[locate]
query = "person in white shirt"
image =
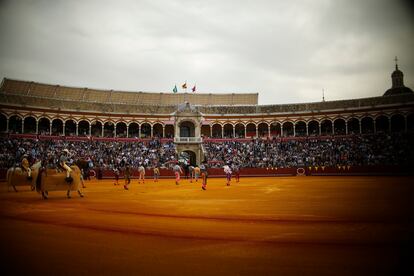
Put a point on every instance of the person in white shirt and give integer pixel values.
(177, 171)
(141, 171)
(227, 171)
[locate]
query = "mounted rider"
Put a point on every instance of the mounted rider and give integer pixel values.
(62, 162)
(26, 167)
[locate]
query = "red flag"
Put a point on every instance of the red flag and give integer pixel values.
(194, 88)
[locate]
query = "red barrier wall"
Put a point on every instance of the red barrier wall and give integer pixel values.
(218, 172)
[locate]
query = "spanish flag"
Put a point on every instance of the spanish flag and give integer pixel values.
(184, 86)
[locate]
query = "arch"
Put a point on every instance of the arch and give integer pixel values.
(287, 129)
(3, 123)
(133, 130)
(313, 128)
(70, 128)
(397, 123)
(30, 124)
(83, 128)
(109, 129)
(240, 131)
(57, 127)
(250, 130)
(382, 123)
(96, 129)
(205, 130)
(169, 131)
(300, 128)
(43, 126)
(410, 122)
(15, 124)
(339, 126)
(263, 129)
(275, 129)
(121, 129)
(353, 126)
(228, 130)
(157, 130)
(326, 127)
(145, 130)
(367, 125)
(190, 156)
(216, 131)
(187, 128)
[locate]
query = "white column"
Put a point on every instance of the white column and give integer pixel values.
(320, 128)
(50, 129)
(222, 131)
(127, 129)
(22, 125)
(163, 131)
(90, 130)
(268, 130)
(211, 131)
(37, 126)
(333, 128)
(152, 130)
(77, 129)
(139, 131)
(307, 129)
(64, 124)
(294, 130)
(102, 131)
(257, 132)
(245, 131)
(234, 131)
(346, 127)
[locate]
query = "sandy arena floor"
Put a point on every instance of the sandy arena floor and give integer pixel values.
(260, 226)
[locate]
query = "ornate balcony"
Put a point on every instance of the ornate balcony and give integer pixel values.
(188, 140)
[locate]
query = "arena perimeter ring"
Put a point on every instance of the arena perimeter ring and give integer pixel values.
(260, 226)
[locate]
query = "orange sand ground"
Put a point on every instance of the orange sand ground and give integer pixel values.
(260, 226)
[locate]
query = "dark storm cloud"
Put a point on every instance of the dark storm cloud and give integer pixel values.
(285, 50)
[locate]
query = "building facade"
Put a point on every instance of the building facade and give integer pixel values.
(54, 111)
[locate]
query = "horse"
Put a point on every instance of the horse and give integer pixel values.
(53, 180)
(17, 177)
(83, 165)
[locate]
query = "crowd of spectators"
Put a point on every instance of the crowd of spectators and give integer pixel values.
(100, 154)
(354, 150)
(357, 150)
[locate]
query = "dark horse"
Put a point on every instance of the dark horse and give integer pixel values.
(83, 165)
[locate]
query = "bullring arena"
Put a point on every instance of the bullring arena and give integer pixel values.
(325, 188)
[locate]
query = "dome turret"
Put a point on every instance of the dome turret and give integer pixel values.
(398, 87)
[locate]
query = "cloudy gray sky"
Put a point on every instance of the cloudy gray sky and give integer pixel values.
(287, 51)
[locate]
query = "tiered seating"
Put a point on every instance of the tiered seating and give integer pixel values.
(359, 150)
(15, 87)
(93, 95)
(42, 90)
(70, 93)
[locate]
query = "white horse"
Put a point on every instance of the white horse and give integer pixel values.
(53, 180)
(17, 177)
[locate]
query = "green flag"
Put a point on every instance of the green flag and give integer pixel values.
(175, 89)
